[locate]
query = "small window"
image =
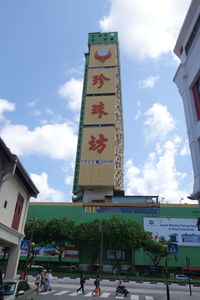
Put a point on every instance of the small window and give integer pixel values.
(5, 204)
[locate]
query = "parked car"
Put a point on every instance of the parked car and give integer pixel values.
(70, 268)
(1, 287)
(37, 267)
(181, 276)
(18, 289)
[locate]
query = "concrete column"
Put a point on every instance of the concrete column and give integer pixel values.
(13, 259)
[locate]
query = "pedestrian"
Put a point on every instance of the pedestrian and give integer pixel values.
(43, 283)
(82, 282)
(97, 286)
(38, 281)
(49, 279)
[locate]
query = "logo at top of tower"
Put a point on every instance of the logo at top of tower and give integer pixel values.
(102, 54)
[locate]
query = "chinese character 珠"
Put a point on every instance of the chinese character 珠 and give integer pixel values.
(99, 79)
(99, 109)
(97, 144)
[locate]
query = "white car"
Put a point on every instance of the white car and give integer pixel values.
(181, 276)
(18, 289)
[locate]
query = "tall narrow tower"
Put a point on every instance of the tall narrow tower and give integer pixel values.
(100, 149)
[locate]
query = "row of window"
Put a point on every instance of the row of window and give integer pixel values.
(123, 209)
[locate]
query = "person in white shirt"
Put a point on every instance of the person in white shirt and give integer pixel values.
(49, 279)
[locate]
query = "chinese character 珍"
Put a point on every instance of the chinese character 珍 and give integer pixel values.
(99, 79)
(99, 109)
(97, 144)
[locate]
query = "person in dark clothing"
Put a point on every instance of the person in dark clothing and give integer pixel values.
(97, 287)
(82, 282)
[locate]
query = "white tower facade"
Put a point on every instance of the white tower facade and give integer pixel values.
(187, 80)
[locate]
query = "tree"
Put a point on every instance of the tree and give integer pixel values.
(119, 233)
(154, 249)
(35, 231)
(89, 234)
(59, 233)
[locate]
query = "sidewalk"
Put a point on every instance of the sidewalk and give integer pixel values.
(186, 297)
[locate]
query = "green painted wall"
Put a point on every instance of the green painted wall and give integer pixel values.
(76, 213)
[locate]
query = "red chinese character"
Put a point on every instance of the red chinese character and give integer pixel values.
(99, 79)
(99, 109)
(97, 144)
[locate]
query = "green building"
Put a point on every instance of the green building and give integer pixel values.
(175, 222)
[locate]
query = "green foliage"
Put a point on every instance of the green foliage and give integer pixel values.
(89, 234)
(120, 233)
(154, 249)
(59, 231)
(36, 231)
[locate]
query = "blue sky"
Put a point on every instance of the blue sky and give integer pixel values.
(41, 72)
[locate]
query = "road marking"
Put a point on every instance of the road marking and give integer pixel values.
(134, 297)
(119, 297)
(148, 298)
(74, 294)
(61, 293)
(88, 295)
(105, 295)
(46, 293)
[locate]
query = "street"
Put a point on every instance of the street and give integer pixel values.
(66, 288)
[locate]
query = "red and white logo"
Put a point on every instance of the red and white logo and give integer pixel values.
(102, 54)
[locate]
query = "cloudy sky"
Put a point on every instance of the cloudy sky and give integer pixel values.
(41, 74)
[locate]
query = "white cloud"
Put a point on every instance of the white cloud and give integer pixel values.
(57, 141)
(32, 103)
(5, 105)
(158, 175)
(69, 180)
(78, 70)
(36, 112)
(47, 194)
(72, 91)
(146, 29)
(159, 122)
(185, 150)
(148, 82)
(138, 114)
(49, 111)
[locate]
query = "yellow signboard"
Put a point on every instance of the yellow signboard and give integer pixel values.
(98, 143)
(102, 81)
(103, 55)
(99, 110)
(96, 175)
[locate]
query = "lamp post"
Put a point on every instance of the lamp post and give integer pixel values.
(32, 221)
(165, 248)
(189, 281)
(101, 251)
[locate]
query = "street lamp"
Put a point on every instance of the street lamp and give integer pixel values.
(198, 224)
(165, 249)
(32, 221)
(101, 251)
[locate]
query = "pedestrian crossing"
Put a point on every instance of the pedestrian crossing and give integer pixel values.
(103, 295)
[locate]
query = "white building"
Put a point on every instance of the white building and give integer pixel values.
(187, 79)
(16, 188)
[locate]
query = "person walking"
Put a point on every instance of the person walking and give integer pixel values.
(38, 281)
(49, 279)
(97, 286)
(43, 284)
(82, 282)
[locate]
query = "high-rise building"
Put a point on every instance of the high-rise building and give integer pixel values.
(100, 149)
(187, 79)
